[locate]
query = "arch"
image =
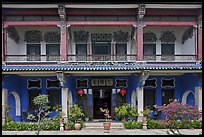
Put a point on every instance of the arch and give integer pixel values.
(18, 103)
(185, 95)
(133, 98)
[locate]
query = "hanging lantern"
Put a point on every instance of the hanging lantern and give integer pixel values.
(80, 92)
(123, 92)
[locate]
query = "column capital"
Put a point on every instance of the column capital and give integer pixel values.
(62, 78)
(143, 77)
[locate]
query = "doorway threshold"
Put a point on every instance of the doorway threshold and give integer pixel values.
(100, 120)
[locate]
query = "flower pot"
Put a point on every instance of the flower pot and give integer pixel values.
(67, 127)
(77, 126)
(106, 125)
(86, 119)
(144, 119)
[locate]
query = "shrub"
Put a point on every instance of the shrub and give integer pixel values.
(131, 124)
(22, 126)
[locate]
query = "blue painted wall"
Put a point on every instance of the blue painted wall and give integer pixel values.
(19, 84)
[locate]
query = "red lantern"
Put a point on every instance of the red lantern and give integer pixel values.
(123, 92)
(81, 92)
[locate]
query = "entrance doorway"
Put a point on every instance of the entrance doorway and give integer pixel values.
(101, 99)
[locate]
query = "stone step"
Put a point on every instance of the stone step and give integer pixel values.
(97, 124)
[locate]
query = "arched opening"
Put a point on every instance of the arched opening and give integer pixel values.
(188, 98)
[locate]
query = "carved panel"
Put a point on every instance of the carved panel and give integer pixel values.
(167, 82)
(82, 83)
(149, 37)
(120, 36)
(121, 83)
(13, 34)
(151, 83)
(33, 36)
(81, 36)
(101, 37)
(187, 34)
(168, 37)
(52, 37)
(52, 83)
(34, 84)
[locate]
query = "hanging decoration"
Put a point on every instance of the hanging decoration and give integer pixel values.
(123, 92)
(80, 92)
(13, 34)
(52, 37)
(33, 36)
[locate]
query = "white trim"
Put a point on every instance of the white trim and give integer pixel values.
(185, 95)
(133, 98)
(18, 103)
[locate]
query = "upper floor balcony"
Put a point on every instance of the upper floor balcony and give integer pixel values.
(102, 45)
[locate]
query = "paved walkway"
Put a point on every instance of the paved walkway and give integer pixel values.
(86, 131)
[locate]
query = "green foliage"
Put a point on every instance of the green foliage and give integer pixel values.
(126, 110)
(146, 112)
(196, 124)
(22, 126)
(130, 124)
(41, 100)
(155, 124)
(75, 113)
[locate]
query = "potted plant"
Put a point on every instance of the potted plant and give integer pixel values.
(75, 113)
(67, 126)
(107, 123)
(87, 117)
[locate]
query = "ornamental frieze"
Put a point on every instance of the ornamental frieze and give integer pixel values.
(149, 37)
(188, 34)
(13, 34)
(81, 36)
(120, 36)
(168, 37)
(52, 37)
(33, 36)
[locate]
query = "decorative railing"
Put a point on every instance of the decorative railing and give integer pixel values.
(32, 58)
(97, 59)
(100, 59)
(170, 58)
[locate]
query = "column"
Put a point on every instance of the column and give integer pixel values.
(140, 103)
(64, 100)
(4, 104)
(63, 42)
(199, 48)
(139, 41)
(4, 43)
(90, 102)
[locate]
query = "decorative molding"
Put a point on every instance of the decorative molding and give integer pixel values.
(143, 77)
(37, 82)
(13, 34)
(33, 36)
(121, 83)
(188, 34)
(147, 85)
(149, 37)
(82, 83)
(62, 78)
(101, 37)
(48, 83)
(52, 37)
(61, 12)
(171, 83)
(168, 37)
(141, 11)
(81, 36)
(120, 36)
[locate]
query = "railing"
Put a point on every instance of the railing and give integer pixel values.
(170, 58)
(100, 59)
(32, 58)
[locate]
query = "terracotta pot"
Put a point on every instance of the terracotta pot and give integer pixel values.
(67, 127)
(77, 126)
(106, 125)
(144, 119)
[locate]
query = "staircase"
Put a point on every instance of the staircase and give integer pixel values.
(97, 124)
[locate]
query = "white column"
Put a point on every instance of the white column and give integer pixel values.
(140, 103)
(64, 100)
(4, 103)
(198, 97)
